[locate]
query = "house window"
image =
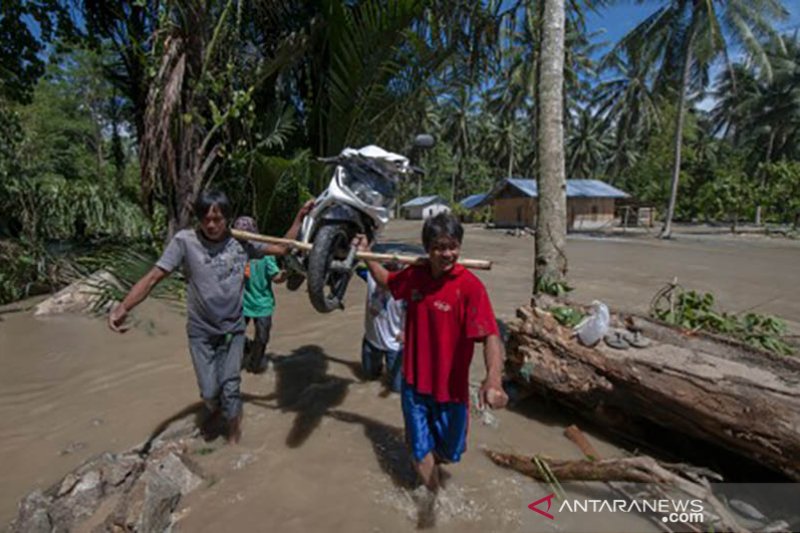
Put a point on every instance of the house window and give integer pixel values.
(594, 212)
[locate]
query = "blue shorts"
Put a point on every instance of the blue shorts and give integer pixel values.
(431, 426)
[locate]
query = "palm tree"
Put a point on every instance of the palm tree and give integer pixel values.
(763, 114)
(458, 108)
(588, 145)
(551, 261)
(683, 37)
(514, 95)
(629, 106)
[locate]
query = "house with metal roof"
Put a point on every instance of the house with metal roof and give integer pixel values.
(473, 201)
(590, 203)
(423, 207)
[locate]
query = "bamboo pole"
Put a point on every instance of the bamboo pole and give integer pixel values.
(478, 264)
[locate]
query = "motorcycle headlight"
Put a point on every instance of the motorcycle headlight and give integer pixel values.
(366, 190)
(368, 195)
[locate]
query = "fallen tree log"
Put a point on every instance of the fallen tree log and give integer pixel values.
(730, 401)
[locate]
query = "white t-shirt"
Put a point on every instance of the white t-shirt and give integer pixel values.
(384, 318)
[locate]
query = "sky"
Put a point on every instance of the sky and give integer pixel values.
(617, 20)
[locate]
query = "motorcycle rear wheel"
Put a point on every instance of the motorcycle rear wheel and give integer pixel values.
(326, 287)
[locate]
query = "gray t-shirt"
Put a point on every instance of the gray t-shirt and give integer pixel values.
(215, 274)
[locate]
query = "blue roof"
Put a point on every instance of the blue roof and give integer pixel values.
(575, 188)
(424, 200)
(473, 201)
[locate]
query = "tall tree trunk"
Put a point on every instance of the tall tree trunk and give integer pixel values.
(453, 180)
(666, 231)
(510, 154)
(764, 173)
(551, 229)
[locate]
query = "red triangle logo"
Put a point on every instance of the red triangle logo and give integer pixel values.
(533, 506)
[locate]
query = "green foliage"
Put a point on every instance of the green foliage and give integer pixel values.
(648, 179)
(19, 273)
(783, 190)
(552, 287)
(280, 187)
(694, 311)
(59, 182)
(729, 195)
(127, 264)
(566, 316)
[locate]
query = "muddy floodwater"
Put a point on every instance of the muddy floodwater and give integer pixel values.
(323, 450)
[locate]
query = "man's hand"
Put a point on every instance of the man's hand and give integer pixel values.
(305, 209)
(280, 277)
(361, 242)
(116, 319)
(492, 394)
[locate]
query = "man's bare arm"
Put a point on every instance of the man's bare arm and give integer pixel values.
(379, 274)
(492, 392)
(135, 296)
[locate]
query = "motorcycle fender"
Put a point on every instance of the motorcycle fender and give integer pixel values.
(343, 214)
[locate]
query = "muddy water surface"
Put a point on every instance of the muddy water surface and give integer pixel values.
(323, 450)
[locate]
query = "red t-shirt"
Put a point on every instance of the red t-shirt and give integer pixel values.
(444, 318)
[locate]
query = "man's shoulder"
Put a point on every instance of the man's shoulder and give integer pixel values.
(470, 281)
(186, 235)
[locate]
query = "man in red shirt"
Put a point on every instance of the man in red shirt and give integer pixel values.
(448, 310)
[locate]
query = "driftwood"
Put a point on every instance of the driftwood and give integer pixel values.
(724, 398)
(478, 264)
(640, 469)
(574, 434)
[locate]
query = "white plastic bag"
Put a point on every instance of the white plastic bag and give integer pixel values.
(595, 326)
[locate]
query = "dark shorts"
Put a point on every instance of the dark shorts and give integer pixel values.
(431, 426)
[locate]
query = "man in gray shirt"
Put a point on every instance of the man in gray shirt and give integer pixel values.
(213, 263)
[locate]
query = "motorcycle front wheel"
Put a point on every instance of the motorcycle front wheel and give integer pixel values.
(326, 287)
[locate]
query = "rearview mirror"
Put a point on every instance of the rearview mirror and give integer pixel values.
(424, 141)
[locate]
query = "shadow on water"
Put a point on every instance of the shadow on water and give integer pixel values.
(353, 366)
(388, 445)
(392, 454)
(304, 387)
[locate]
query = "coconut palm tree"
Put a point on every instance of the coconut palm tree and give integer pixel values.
(551, 263)
(589, 144)
(760, 113)
(629, 106)
(683, 37)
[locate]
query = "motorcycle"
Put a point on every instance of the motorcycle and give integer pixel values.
(358, 200)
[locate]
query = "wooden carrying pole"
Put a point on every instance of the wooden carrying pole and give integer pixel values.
(478, 264)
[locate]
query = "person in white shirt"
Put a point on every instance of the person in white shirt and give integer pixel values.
(384, 319)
